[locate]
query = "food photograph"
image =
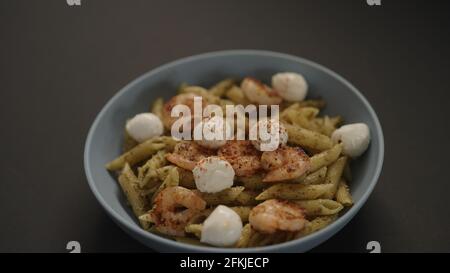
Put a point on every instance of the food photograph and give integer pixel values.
(224, 127)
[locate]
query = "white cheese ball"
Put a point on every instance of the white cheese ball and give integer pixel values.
(215, 132)
(213, 174)
(272, 143)
(223, 227)
(144, 126)
(354, 137)
(290, 86)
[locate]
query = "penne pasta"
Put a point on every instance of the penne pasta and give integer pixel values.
(225, 197)
(195, 229)
(172, 180)
(295, 191)
(170, 142)
(327, 125)
(303, 117)
(320, 207)
(236, 95)
(316, 224)
(320, 222)
(253, 182)
(296, 108)
(307, 138)
(334, 175)
(221, 87)
(163, 172)
(316, 177)
(255, 238)
(243, 212)
(325, 158)
(343, 195)
(147, 172)
(247, 198)
(285, 115)
(129, 185)
(135, 155)
(245, 237)
(200, 91)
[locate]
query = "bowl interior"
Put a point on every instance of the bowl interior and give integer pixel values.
(105, 138)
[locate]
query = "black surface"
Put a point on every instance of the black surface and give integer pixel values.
(60, 64)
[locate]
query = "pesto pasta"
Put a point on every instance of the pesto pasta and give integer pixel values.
(306, 176)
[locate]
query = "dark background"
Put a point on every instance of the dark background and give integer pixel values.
(60, 65)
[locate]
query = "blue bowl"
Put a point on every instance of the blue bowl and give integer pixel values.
(105, 136)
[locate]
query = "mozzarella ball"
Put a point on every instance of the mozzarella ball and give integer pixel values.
(213, 174)
(215, 132)
(223, 227)
(354, 137)
(144, 126)
(290, 86)
(275, 140)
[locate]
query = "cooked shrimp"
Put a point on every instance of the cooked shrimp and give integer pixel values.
(276, 215)
(242, 155)
(187, 154)
(259, 93)
(284, 163)
(182, 99)
(166, 212)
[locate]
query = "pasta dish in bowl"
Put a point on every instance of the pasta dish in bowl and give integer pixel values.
(241, 190)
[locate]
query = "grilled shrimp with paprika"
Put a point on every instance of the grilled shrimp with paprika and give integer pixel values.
(242, 155)
(276, 215)
(187, 154)
(182, 99)
(284, 163)
(166, 214)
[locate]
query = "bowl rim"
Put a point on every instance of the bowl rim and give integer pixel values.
(336, 225)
